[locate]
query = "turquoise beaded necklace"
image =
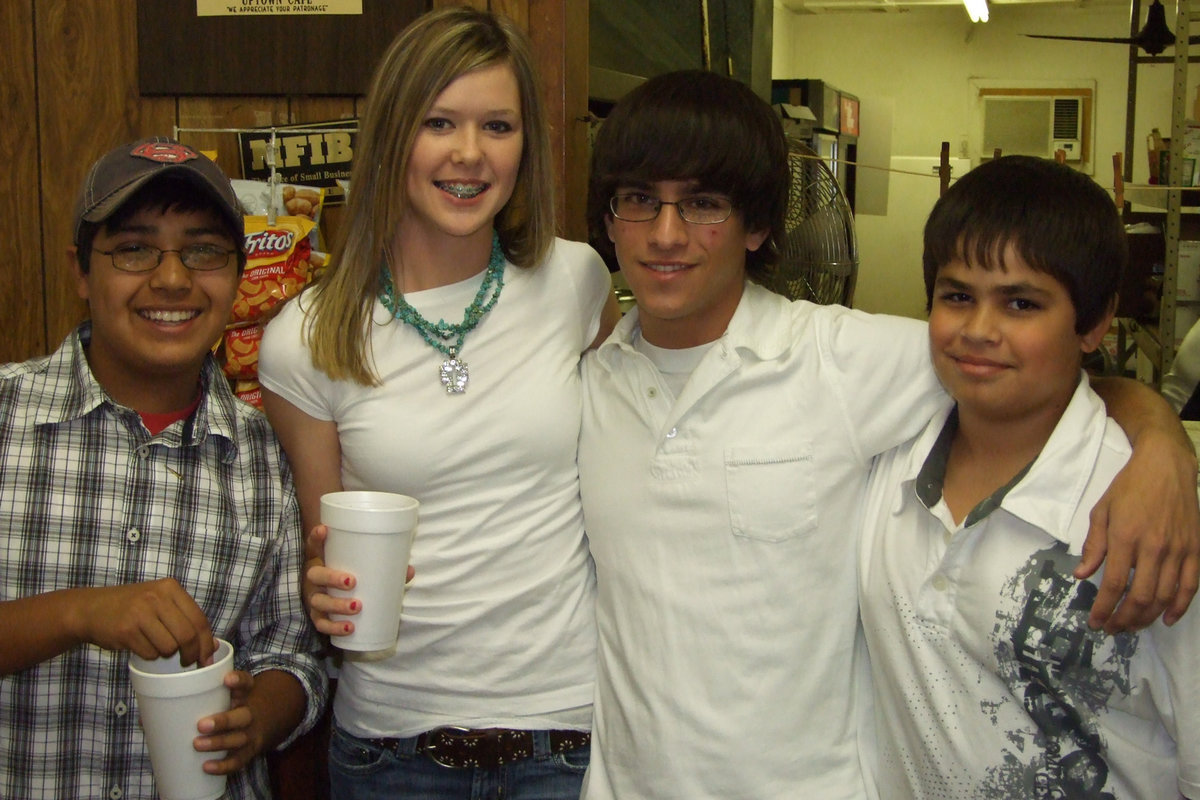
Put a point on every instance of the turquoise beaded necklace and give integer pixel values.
(453, 371)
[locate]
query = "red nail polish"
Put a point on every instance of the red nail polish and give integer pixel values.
(346, 582)
(346, 628)
(354, 605)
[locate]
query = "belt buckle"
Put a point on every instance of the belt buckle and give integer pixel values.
(435, 735)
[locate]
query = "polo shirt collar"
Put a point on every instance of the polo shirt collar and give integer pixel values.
(1047, 493)
(931, 479)
(760, 326)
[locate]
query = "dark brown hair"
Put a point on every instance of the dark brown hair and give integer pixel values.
(696, 126)
(1060, 221)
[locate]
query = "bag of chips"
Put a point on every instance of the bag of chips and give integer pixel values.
(278, 266)
(291, 199)
(241, 351)
(248, 392)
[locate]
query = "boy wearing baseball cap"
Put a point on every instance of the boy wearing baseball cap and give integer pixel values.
(144, 509)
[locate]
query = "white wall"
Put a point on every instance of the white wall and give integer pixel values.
(922, 61)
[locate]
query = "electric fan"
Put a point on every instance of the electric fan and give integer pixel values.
(818, 257)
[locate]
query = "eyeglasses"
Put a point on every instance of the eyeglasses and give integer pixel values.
(703, 209)
(144, 258)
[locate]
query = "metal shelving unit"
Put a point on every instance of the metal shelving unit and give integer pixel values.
(1158, 342)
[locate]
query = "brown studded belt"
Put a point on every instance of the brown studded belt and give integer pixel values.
(487, 748)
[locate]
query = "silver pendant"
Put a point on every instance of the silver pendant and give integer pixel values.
(455, 375)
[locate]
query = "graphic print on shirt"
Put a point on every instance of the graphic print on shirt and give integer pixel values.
(1063, 673)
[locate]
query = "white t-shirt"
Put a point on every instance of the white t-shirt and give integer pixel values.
(721, 524)
(1180, 382)
(498, 626)
(988, 681)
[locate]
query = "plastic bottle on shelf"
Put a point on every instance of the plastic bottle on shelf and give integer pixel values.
(1157, 153)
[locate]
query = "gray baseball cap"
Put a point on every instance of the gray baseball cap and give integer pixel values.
(120, 172)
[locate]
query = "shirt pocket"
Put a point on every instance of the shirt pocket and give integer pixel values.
(770, 489)
(221, 569)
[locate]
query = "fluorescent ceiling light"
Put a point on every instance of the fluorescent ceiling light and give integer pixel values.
(977, 10)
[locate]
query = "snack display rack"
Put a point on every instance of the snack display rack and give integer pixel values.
(272, 151)
(284, 254)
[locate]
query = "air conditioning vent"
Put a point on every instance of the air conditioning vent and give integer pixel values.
(1066, 117)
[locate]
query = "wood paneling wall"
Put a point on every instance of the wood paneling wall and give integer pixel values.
(68, 93)
(22, 289)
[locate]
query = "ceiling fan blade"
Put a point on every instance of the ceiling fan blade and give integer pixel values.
(1154, 37)
(1082, 38)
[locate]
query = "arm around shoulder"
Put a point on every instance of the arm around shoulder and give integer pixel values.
(1149, 519)
(886, 384)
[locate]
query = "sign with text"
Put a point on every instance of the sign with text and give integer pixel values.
(234, 8)
(311, 154)
(256, 48)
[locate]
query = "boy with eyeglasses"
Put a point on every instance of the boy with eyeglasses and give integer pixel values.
(726, 441)
(142, 507)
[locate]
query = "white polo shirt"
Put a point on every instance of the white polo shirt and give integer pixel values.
(988, 681)
(722, 527)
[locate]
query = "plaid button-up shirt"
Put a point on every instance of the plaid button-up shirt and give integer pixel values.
(89, 498)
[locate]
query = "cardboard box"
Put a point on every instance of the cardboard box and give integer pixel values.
(1188, 271)
(798, 121)
(820, 98)
(1191, 155)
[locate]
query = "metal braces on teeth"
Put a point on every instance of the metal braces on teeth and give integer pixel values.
(463, 192)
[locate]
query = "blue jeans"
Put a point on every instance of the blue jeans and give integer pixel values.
(362, 770)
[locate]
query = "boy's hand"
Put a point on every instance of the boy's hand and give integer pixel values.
(234, 730)
(153, 619)
(1149, 522)
(265, 709)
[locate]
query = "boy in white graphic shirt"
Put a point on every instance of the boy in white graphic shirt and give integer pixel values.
(988, 681)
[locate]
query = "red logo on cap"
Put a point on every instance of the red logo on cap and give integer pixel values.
(165, 152)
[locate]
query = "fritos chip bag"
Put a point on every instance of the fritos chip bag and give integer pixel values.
(241, 351)
(277, 266)
(248, 392)
(318, 262)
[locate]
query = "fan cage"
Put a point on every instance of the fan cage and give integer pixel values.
(819, 252)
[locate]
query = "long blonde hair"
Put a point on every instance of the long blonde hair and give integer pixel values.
(420, 63)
